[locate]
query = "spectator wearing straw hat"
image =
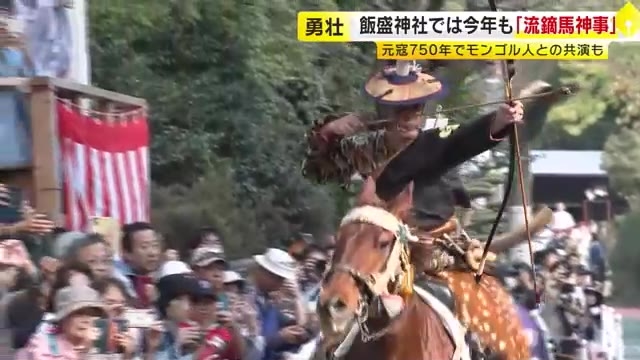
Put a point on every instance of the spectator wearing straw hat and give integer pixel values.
(76, 308)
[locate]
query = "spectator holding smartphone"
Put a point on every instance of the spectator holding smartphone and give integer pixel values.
(177, 285)
(116, 300)
(76, 309)
(280, 333)
(243, 310)
(245, 314)
(220, 337)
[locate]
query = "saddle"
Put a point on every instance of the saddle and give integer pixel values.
(453, 250)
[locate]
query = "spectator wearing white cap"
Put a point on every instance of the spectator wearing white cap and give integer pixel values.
(76, 308)
(234, 283)
(244, 311)
(176, 286)
(562, 219)
(281, 334)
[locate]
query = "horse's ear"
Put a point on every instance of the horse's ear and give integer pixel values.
(401, 205)
(368, 193)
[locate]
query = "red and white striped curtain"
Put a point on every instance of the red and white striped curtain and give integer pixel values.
(105, 166)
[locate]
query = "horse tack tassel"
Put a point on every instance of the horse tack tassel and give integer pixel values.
(408, 275)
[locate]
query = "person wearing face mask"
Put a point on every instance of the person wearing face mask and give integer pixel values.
(76, 309)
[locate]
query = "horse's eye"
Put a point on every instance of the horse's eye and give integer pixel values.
(384, 245)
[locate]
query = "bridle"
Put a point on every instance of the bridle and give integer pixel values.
(395, 270)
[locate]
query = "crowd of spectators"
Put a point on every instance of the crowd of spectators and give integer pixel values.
(573, 281)
(148, 302)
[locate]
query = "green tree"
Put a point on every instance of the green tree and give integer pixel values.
(622, 148)
(621, 159)
(624, 261)
(218, 92)
(485, 184)
(228, 103)
(584, 121)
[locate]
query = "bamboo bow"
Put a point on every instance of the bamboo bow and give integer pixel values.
(508, 72)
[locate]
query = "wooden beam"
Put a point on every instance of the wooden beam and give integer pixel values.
(13, 81)
(47, 166)
(70, 89)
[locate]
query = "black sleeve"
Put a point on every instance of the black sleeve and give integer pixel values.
(432, 155)
(461, 197)
(454, 182)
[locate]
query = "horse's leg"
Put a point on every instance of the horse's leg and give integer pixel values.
(488, 311)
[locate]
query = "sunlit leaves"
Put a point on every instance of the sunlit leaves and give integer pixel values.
(589, 104)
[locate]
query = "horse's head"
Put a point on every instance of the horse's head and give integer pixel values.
(368, 260)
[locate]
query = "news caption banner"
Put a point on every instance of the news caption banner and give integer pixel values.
(477, 35)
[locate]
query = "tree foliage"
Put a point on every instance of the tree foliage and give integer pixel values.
(485, 179)
(229, 82)
(231, 92)
(624, 260)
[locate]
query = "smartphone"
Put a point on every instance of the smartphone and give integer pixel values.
(222, 303)
(287, 319)
(106, 331)
(122, 327)
(140, 318)
(12, 212)
(190, 348)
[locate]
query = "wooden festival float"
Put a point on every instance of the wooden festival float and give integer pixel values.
(40, 176)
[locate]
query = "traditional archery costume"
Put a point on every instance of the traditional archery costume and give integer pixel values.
(394, 152)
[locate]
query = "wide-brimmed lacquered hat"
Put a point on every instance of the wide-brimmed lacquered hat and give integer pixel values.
(403, 84)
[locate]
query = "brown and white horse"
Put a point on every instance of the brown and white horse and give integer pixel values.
(370, 263)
